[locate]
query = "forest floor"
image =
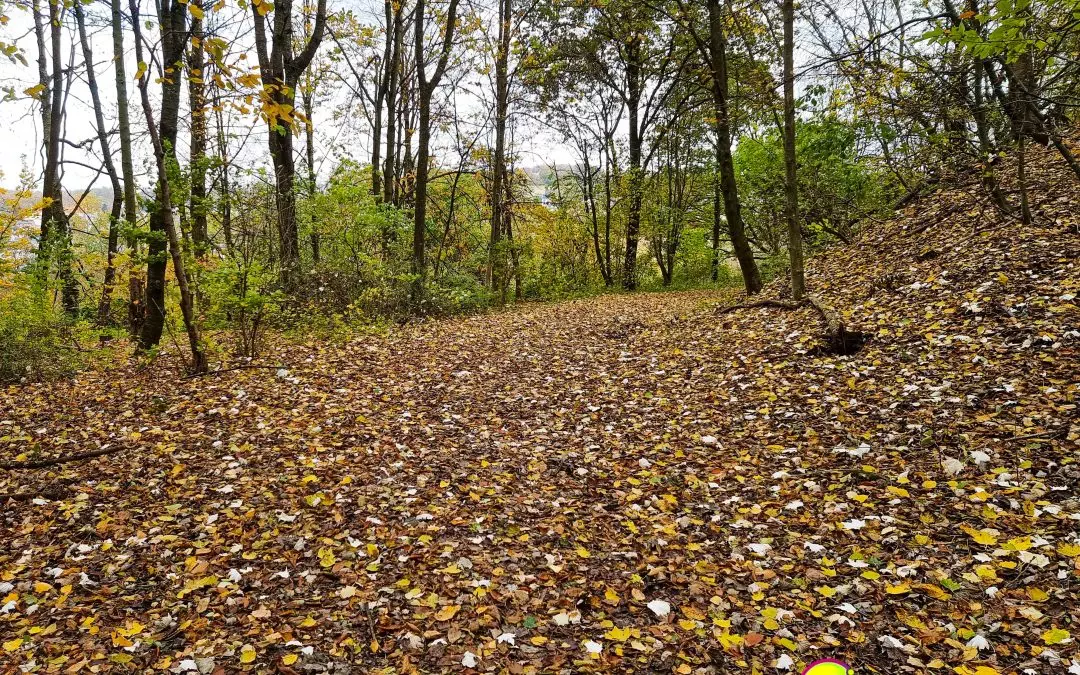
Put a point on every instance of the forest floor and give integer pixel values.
(626, 483)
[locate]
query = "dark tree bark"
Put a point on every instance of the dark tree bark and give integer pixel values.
(172, 17)
(718, 65)
(498, 164)
(396, 32)
(633, 216)
(588, 189)
(136, 303)
(425, 89)
(280, 71)
(105, 306)
(382, 87)
(55, 243)
(716, 222)
(200, 237)
(508, 223)
(308, 96)
(161, 156)
(791, 186)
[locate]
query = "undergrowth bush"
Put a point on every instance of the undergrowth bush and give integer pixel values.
(33, 337)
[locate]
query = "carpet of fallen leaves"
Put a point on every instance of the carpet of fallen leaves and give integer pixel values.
(627, 483)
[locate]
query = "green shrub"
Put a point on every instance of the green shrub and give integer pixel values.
(33, 337)
(243, 294)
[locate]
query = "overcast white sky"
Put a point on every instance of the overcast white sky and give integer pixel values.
(20, 126)
(339, 131)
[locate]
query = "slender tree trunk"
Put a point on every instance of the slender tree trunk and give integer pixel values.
(502, 96)
(200, 237)
(716, 221)
(588, 184)
(982, 128)
(425, 89)
(226, 192)
(724, 161)
(508, 224)
(55, 245)
(633, 216)
(173, 24)
(309, 130)
(105, 305)
(420, 208)
(397, 34)
(381, 89)
(608, 203)
(986, 147)
(791, 185)
(136, 304)
(176, 15)
(280, 70)
(45, 100)
(407, 172)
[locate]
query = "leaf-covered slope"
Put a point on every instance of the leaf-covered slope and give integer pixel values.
(627, 483)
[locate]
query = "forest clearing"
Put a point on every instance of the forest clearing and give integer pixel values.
(693, 337)
(634, 483)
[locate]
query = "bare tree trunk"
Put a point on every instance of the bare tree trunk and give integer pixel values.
(588, 188)
(105, 306)
(187, 300)
(633, 216)
(508, 223)
(136, 304)
(502, 96)
(382, 86)
(172, 17)
(716, 220)
(391, 162)
(200, 237)
(280, 71)
(55, 243)
(425, 89)
(724, 161)
(309, 130)
(226, 192)
(791, 186)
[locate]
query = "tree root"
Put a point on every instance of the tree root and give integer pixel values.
(838, 339)
(778, 304)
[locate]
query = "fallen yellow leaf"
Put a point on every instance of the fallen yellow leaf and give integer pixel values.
(1055, 636)
(620, 634)
(1068, 550)
(984, 536)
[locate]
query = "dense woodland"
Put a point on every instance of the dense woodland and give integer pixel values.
(271, 166)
